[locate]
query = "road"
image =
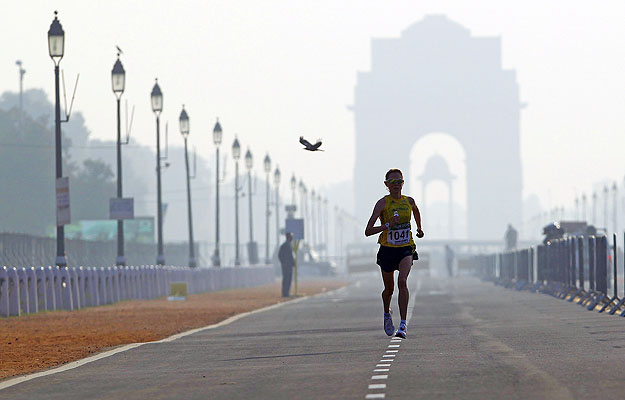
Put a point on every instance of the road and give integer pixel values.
(467, 340)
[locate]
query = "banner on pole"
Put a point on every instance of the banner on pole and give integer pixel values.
(123, 208)
(296, 227)
(62, 201)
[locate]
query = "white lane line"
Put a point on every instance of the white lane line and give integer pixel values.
(79, 363)
(377, 386)
(394, 344)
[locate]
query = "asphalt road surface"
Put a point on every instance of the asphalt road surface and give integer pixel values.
(466, 340)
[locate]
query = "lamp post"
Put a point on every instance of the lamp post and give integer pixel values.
(605, 208)
(313, 242)
(276, 181)
(251, 249)
(267, 165)
(614, 206)
(326, 225)
(302, 200)
(293, 187)
(217, 135)
(22, 72)
(584, 207)
(319, 223)
(236, 154)
(157, 108)
(118, 80)
(56, 48)
(184, 130)
(594, 208)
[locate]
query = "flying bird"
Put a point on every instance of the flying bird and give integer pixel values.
(309, 146)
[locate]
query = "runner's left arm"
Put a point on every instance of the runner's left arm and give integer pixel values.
(417, 216)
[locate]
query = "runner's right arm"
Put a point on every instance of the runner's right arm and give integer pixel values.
(377, 211)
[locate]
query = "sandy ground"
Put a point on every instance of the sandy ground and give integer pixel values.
(40, 341)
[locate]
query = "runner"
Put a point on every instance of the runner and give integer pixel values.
(396, 245)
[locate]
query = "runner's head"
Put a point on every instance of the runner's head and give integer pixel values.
(394, 181)
(289, 236)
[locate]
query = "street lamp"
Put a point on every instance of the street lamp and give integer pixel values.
(302, 200)
(236, 154)
(293, 186)
(276, 181)
(157, 107)
(252, 251)
(217, 135)
(267, 165)
(594, 208)
(22, 72)
(605, 208)
(614, 205)
(118, 80)
(326, 225)
(313, 235)
(319, 223)
(56, 47)
(184, 130)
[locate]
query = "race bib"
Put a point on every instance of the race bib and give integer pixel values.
(399, 236)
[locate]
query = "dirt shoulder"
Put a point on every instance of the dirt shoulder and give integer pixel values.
(36, 342)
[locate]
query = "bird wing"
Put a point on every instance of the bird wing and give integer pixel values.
(304, 141)
(317, 145)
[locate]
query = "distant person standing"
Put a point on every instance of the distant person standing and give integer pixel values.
(285, 255)
(396, 245)
(510, 238)
(449, 260)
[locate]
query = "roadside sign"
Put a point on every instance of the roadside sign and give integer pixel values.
(62, 201)
(296, 227)
(123, 208)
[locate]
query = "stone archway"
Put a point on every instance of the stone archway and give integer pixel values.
(437, 77)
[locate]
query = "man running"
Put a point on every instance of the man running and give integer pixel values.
(396, 245)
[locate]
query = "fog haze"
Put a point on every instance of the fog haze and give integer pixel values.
(274, 70)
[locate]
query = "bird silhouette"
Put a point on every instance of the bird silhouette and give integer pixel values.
(309, 146)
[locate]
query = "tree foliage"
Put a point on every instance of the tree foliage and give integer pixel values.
(27, 162)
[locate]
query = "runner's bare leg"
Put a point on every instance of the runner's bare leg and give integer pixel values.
(402, 283)
(387, 293)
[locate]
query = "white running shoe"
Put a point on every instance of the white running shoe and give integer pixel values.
(389, 328)
(401, 332)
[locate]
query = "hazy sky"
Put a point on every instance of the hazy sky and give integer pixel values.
(274, 70)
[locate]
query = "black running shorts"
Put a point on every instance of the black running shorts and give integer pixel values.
(389, 257)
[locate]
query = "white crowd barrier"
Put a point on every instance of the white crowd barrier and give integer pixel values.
(34, 289)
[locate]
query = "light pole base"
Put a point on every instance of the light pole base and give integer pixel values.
(120, 261)
(216, 259)
(160, 260)
(192, 263)
(61, 261)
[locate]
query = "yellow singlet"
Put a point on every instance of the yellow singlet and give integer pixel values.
(399, 235)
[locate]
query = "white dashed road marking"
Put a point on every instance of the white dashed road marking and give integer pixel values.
(377, 386)
(388, 357)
